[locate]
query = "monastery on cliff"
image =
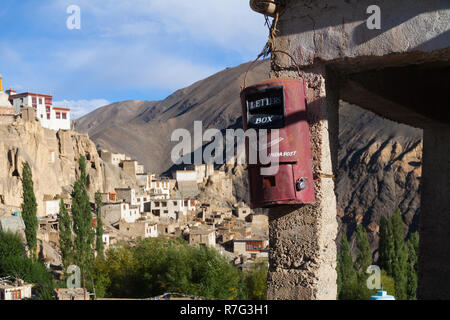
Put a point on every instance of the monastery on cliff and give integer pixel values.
(50, 117)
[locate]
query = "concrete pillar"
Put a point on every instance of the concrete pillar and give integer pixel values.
(302, 238)
(434, 258)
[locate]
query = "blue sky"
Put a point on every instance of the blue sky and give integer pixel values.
(125, 49)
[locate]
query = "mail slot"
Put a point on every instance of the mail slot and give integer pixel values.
(279, 104)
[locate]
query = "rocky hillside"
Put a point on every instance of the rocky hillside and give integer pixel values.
(380, 161)
(379, 170)
(53, 157)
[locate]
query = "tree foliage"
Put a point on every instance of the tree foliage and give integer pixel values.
(347, 276)
(99, 229)
(256, 281)
(158, 265)
(14, 263)
(65, 235)
(413, 252)
(82, 222)
(399, 267)
(397, 260)
(29, 209)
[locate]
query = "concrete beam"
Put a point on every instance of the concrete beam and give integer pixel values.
(337, 29)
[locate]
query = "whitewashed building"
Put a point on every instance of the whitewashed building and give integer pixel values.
(116, 212)
(14, 290)
(159, 187)
(50, 117)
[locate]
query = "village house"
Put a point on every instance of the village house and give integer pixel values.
(186, 183)
(71, 294)
(51, 205)
(203, 171)
(171, 209)
(50, 117)
(130, 196)
(254, 248)
(139, 229)
(242, 211)
(160, 187)
(132, 167)
(109, 197)
(115, 212)
(15, 290)
(167, 228)
(202, 236)
(112, 158)
(106, 238)
(13, 224)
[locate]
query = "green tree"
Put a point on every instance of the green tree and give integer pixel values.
(364, 256)
(29, 209)
(157, 265)
(413, 251)
(256, 281)
(399, 266)
(347, 277)
(99, 230)
(14, 263)
(82, 223)
(386, 245)
(363, 261)
(65, 234)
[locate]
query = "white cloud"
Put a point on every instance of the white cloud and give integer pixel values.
(231, 24)
(81, 107)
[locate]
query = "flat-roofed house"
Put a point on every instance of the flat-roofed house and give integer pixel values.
(202, 236)
(50, 117)
(14, 290)
(115, 212)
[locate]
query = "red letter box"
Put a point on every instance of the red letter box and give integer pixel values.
(279, 104)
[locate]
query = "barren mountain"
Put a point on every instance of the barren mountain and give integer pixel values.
(379, 160)
(143, 130)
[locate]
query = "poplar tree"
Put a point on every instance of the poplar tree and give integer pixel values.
(347, 277)
(399, 267)
(364, 257)
(65, 234)
(29, 209)
(413, 252)
(363, 261)
(386, 246)
(99, 231)
(82, 222)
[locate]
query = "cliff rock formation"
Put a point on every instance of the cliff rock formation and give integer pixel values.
(53, 157)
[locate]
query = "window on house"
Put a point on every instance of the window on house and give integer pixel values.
(41, 101)
(16, 295)
(34, 100)
(58, 115)
(164, 204)
(48, 116)
(64, 115)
